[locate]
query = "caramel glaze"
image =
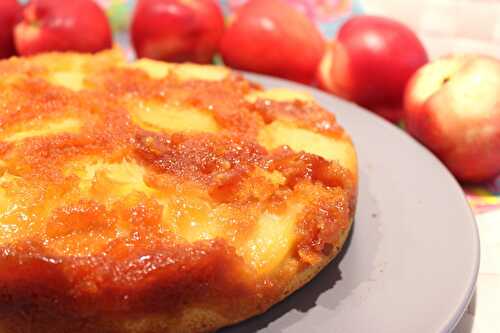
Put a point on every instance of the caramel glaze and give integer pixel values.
(77, 263)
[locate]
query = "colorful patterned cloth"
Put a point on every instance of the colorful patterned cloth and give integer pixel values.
(329, 15)
(484, 198)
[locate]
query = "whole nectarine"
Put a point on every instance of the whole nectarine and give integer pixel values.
(452, 106)
(370, 62)
(271, 37)
(177, 30)
(54, 25)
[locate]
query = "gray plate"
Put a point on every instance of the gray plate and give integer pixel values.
(411, 262)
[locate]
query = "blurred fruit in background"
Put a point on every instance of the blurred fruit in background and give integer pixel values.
(370, 62)
(271, 37)
(10, 14)
(177, 30)
(54, 25)
(452, 106)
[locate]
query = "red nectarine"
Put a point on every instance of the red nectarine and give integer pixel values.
(370, 62)
(452, 106)
(54, 25)
(271, 37)
(175, 30)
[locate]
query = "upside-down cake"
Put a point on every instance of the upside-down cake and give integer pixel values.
(153, 197)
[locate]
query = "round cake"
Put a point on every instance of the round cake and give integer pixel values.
(156, 197)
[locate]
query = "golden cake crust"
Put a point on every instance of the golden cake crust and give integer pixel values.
(152, 197)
